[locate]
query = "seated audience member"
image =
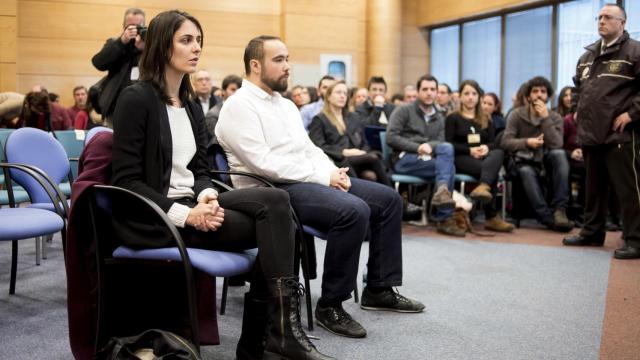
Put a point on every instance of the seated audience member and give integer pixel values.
(54, 98)
(416, 136)
(80, 96)
(10, 108)
(204, 90)
(444, 102)
(356, 97)
(230, 84)
(410, 94)
(313, 94)
(339, 134)
(472, 135)
(216, 91)
(375, 110)
(39, 112)
(517, 100)
(310, 110)
(565, 100)
(397, 100)
(159, 142)
(300, 96)
(492, 106)
(262, 133)
(534, 138)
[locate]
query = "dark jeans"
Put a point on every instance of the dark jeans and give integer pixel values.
(368, 210)
(255, 217)
(614, 165)
(556, 164)
(441, 167)
(485, 170)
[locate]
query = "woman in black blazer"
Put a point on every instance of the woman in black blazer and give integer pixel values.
(159, 148)
(472, 135)
(339, 134)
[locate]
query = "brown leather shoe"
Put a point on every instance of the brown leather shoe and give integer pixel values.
(450, 227)
(442, 198)
(482, 193)
(497, 224)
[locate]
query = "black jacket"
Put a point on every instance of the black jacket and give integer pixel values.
(368, 114)
(608, 85)
(142, 150)
(118, 59)
(326, 136)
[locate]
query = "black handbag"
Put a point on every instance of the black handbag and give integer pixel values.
(95, 91)
(152, 344)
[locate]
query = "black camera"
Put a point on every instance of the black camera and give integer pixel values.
(142, 31)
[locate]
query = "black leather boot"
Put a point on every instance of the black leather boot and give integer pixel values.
(286, 338)
(254, 328)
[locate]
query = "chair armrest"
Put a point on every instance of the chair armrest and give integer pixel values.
(242, 173)
(61, 197)
(41, 181)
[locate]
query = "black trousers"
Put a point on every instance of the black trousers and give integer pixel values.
(255, 217)
(369, 161)
(485, 170)
(618, 165)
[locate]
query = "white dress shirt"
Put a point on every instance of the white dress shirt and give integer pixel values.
(263, 134)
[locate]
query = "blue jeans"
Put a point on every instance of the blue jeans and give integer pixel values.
(555, 163)
(441, 167)
(370, 210)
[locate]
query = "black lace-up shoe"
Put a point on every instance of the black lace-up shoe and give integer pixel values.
(339, 322)
(389, 300)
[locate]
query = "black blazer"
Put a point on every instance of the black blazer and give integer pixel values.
(142, 149)
(369, 114)
(326, 136)
(213, 100)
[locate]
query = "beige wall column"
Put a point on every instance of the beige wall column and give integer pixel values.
(8, 36)
(384, 42)
(415, 52)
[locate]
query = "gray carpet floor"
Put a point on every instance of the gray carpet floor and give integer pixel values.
(484, 301)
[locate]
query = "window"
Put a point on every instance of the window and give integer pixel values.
(445, 52)
(527, 49)
(481, 53)
(632, 7)
(577, 28)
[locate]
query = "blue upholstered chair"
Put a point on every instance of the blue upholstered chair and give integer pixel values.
(72, 141)
(25, 223)
(91, 133)
(20, 196)
(43, 154)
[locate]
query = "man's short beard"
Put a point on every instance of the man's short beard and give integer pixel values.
(275, 85)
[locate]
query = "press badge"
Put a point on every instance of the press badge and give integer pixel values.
(135, 73)
(473, 138)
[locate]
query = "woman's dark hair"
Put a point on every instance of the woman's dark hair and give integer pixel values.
(497, 102)
(480, 117)
(35, 103)
(159, 48)
(561, 109)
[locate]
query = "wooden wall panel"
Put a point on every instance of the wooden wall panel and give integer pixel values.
(355, 9)
(8, 39)
(306, 31)
(60, 57)
(8, 77)
(271, 7)
(8, 8)
(433, 11)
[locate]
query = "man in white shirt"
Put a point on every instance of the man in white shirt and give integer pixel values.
(262, 133)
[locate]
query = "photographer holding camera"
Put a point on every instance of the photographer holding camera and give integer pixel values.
(119, 56)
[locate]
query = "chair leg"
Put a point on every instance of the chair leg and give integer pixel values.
(462, 187)
(44, 248)
(223, 298)
(39, 241)
(14, 266)
(356, 296)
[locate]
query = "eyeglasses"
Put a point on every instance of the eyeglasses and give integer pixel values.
(608, 18)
